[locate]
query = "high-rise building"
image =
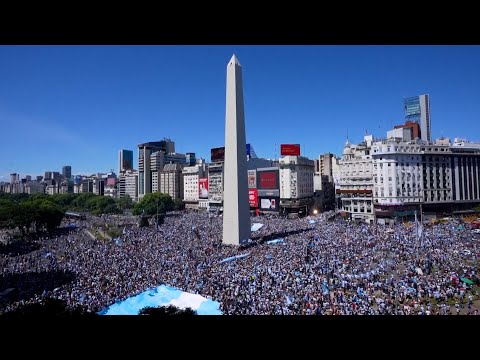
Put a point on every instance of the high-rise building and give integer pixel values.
(194, 177)
(417, 109)
(296, 182)
(171, 181)
(190, 159)
(14, 178)
(131, 184)
(145, 152)
(48, 175)
(152, 157)
(67, 172)
(125, 160)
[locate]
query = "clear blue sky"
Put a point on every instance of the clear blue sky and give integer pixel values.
(77, 105)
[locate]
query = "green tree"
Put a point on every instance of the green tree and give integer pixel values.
(179, 204)
(64, 200)
(7, 208)
(149, 202)
(80, 201)
(125, 202)
(50, 215)
(112, 209)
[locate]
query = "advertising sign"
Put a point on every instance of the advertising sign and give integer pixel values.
(217, 154)
(290, 149)
(252, 179)
(111, 181)
(269, 203)
(203, 188)
(253, 197)
(267, 179)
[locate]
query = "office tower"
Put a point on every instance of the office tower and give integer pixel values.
(417, 109)
(125, 160)
(67, 172)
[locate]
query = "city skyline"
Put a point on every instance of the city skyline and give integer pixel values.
(79, 105)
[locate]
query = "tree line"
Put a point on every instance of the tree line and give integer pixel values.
(42, 212)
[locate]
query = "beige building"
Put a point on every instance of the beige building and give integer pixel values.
(296, 182)
(131, 184)
(191, 176)
(171, 181)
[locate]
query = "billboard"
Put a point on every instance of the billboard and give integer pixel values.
(268, 179)
(253, 197)
(290, 149)
(203, 188)
(111, 181)
(217, 154)
(252, 179)
(269, 203)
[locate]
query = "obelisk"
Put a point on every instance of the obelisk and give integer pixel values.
(236, 208)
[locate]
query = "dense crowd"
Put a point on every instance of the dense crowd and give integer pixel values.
(326, 267)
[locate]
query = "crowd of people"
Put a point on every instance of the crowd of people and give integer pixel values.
(317, 266)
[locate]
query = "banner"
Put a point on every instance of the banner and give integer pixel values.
(203, 188)
(253, 197)
(252, 179)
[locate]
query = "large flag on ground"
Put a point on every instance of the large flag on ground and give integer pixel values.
(163, 296)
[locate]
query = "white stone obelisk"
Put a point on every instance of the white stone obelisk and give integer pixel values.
(236, 208)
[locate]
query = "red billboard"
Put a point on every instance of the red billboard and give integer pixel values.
(111, 181)
(203, 188)
(253, 197)
(267, 179)
(290, 149)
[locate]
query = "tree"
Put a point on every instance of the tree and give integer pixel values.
(111, 209)
(64, 200)
(49, 215)
(179, 204)
(125, 202)
(80, 202)
(7, 208)
(167, 310)
(148, 205)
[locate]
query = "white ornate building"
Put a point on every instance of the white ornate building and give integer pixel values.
(355, 181)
